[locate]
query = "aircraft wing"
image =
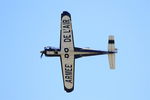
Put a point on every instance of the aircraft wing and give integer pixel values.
(66, 33)
(67, 65)
(67, 48)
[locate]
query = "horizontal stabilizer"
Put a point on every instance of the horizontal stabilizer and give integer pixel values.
(111, 58)
(112, 51)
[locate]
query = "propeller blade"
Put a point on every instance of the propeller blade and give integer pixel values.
(42, 52)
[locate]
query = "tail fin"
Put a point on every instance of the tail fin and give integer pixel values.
(112, 51)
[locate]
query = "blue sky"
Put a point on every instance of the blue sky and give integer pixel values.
(26, 26)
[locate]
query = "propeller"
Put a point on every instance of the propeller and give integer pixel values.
(42, 52)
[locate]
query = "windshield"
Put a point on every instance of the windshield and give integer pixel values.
(49, 47)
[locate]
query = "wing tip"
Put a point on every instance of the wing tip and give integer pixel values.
(65, 13)
(68, 90)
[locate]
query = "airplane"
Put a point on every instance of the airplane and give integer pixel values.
(68, 52)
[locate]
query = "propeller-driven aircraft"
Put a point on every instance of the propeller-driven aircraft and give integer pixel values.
(68, 52)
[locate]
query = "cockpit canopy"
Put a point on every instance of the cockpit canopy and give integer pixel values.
(50, 48)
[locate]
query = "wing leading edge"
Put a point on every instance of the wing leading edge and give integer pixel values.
(67, 49)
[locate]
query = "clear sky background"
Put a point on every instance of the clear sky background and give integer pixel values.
(26, 26)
